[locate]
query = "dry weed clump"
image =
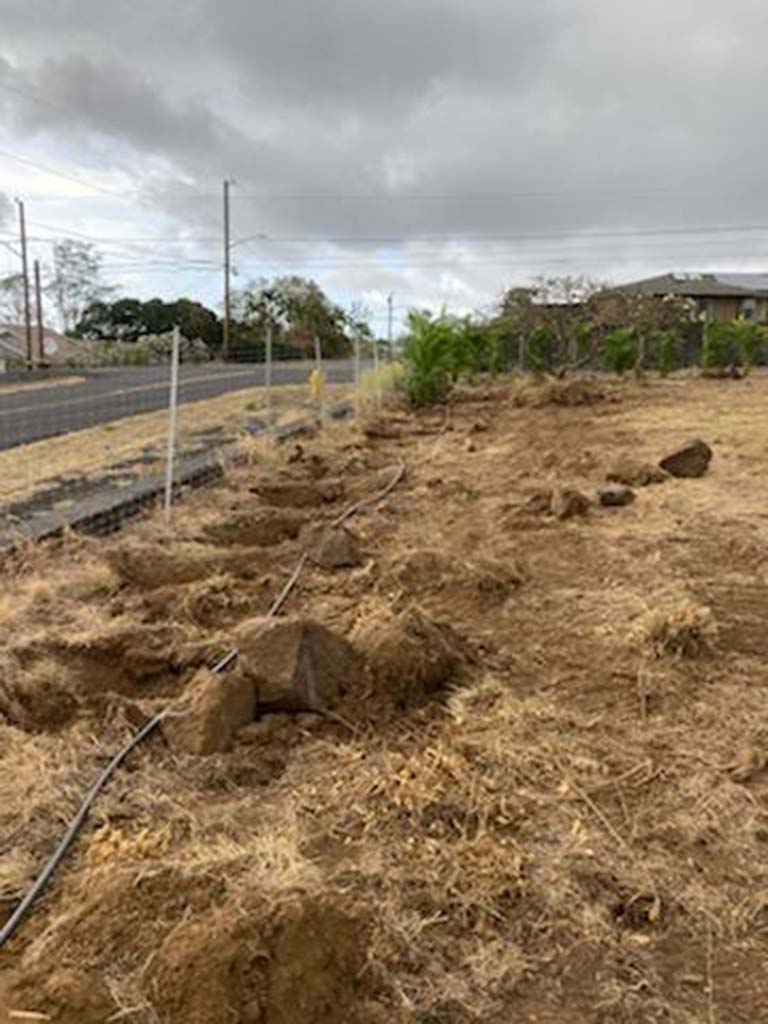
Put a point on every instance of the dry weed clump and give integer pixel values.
(574, 391)
(681, 628)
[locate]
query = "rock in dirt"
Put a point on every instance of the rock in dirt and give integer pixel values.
(262, 528)
(691, 460)
(296, 664)
(218, 706)
(410, 656)
(615, 496)
(331, 490)
(331, 547)
(569, 503)
(632, 473)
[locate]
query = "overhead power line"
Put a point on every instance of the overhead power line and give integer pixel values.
(65, 176)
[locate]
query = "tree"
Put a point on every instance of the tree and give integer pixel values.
(300, 312)
(130, 319)
(76, 280)
(12, 298)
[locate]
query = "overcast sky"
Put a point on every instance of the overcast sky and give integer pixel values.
(440, 149)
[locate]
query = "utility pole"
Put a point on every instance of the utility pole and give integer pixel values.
(390, 310)
(225, 339)
(25, 276)
(39, 312)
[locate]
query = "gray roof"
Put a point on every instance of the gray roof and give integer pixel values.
(8, 347)
(739, 286)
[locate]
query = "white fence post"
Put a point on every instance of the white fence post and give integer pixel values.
(357, 373)
(268, 377)
(173, 410)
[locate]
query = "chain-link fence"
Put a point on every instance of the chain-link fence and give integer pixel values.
(87, 446)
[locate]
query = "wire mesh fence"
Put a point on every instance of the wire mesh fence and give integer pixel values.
(88, 445)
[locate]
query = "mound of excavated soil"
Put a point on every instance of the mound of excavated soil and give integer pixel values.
(258, 528)
(298, 494)
(36, 700)
(574, 391)
(122, 656)
(409, 656)
(150, 565)
(484, 582)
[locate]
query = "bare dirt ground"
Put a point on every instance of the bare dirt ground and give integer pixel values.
(545, 799)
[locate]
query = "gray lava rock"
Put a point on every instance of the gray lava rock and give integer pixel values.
(615, 496)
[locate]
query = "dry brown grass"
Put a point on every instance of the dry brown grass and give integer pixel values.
(575, 831)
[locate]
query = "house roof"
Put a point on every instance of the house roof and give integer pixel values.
(726, 285)
(56, 346)
(8, 347)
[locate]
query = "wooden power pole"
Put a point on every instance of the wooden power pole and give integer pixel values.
(39, 315)
(225, 337)
(25, 277)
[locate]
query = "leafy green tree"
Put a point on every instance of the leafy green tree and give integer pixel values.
(129, 319)
(302, 315)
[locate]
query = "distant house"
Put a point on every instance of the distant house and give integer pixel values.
(58, 349)
(721, 297)
(10, 354)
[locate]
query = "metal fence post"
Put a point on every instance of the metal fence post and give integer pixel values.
(268, 377)
(357, 374)
(172, 418)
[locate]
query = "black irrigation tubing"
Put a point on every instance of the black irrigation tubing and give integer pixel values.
(17, 917)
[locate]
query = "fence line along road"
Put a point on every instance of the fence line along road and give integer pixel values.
(82, 399)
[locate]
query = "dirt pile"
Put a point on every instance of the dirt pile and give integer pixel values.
(570, 392)
(257, 528)
(632, 473)
(429, 573)
(409, 656)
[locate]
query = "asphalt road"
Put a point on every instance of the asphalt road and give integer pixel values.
(108, 395)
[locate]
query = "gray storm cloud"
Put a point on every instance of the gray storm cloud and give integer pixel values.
(354, 119)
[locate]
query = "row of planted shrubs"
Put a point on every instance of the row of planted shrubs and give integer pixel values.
(438, 350)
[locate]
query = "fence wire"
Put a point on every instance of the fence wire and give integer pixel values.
(91, 441)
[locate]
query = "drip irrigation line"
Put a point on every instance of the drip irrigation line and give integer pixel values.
(17, 917)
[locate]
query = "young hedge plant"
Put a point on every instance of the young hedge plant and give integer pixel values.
(620, 350)
(429, 357)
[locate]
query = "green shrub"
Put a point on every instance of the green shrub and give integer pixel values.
(717, 349)
(665, 351)
(620, 350)
(429, 357)
(748, 338)
(540, 349)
